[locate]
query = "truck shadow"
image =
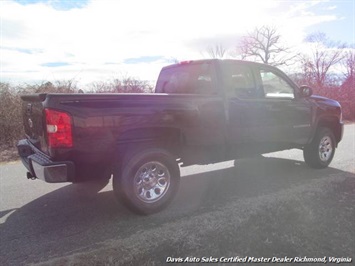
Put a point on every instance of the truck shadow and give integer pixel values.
(249, 178)
(77, 219)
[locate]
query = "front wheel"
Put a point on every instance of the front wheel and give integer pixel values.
(147, 180)
(320, 152)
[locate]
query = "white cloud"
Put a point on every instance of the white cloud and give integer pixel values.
(331, 8)
(104, 32)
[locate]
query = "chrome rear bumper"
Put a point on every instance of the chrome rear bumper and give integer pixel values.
(40, 165)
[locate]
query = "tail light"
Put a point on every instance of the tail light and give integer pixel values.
(59, 129)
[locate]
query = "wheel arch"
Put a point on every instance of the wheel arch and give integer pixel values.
(331, 122)
(160, 137)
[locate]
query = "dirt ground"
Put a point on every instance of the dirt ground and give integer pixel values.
(8, 153)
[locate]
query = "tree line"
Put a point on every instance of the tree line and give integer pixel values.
(327, 66)
(325, 62)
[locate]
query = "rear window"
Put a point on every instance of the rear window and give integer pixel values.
(190, 79)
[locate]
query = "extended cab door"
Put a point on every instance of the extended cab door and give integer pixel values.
(240, 89)
(196, 82)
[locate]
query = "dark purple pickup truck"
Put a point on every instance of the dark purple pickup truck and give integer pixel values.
(202, 112)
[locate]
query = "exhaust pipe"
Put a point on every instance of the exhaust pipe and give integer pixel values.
(30, 176)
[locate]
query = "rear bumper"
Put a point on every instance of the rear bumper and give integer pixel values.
(40, 166)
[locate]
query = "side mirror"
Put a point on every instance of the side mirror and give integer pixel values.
(305, 91)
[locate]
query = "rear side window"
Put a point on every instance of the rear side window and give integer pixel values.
(190, 79)
(238, 81)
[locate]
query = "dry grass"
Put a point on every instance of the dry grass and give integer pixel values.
(8, 153)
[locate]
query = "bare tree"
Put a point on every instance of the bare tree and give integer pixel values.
(324, 55)
(10, 114)
(123, 84)
(131, 85)
(349, 65)
(348, 86)
(59, 86)
(101, 87)
(264, 44)
(216, 51)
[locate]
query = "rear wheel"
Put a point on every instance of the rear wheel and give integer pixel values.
(320, 152)
(147, 181)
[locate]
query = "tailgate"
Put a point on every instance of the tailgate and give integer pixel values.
(33, 120)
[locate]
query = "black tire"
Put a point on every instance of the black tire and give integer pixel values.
(320, 152)
(147, 180)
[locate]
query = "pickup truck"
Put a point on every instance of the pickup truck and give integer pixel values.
(202, 112)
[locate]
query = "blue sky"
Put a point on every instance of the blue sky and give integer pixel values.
(341, 29)
(56, 4)
(97, 40)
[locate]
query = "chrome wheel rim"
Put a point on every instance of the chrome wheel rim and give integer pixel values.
(325, 148)
(151, 182)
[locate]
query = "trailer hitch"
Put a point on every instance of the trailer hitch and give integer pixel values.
(30, 176)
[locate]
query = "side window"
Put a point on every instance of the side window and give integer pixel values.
(238, 81)
(187, 78)
(275, 86)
